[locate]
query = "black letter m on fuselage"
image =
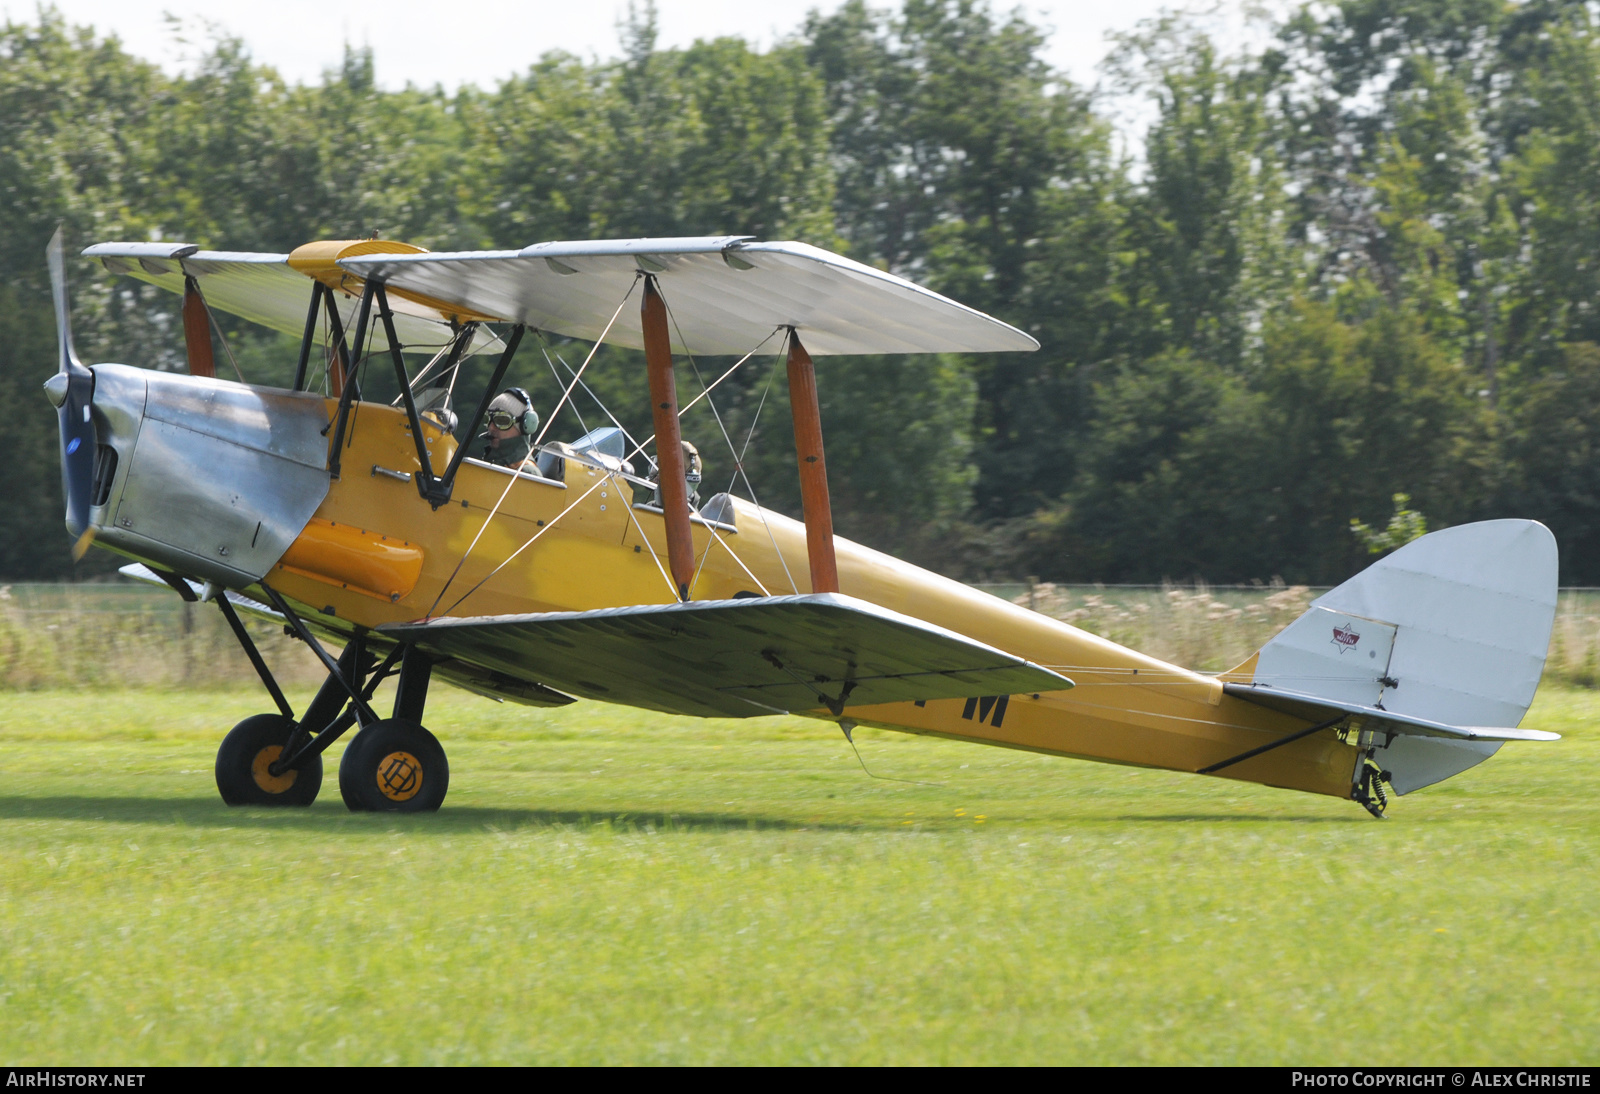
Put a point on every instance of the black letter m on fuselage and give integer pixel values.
(983, 705)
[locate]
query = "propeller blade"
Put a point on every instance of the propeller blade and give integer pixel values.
(72, 391)
(58, 291)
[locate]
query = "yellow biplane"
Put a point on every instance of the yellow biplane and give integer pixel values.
(591, 569)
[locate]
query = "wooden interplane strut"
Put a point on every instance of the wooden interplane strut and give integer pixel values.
(197, 331)
(669, 441)
(818, 510)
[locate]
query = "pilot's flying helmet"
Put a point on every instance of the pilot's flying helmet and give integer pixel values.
(513, 409)
(691, 465)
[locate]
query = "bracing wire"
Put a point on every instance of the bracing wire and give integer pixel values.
(576, 413)
(738, 460)
(638, 448)
(672, 590)
(583, 425)
(732, 553)
(530, 542)
(705, 392)
(516, 470)
(221, 337)
(739, 472)
(416, 384)
(545, 349)
(578, 377)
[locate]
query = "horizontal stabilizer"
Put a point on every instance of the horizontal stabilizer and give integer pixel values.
(735, 658)
(1314, 708)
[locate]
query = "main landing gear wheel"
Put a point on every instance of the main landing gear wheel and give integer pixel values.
(245, 756)
(394, 766)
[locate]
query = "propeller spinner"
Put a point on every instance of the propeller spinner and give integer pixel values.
(71, 390)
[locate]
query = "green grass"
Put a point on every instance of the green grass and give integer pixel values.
(612, 886)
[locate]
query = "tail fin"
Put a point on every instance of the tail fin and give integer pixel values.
(1447, 636)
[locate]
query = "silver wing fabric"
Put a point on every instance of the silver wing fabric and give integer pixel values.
(726, 294)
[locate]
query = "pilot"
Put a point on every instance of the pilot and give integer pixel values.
(509, 428)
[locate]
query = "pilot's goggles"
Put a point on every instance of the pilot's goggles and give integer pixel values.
(503, 419)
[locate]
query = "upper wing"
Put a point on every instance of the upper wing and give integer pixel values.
(267, 289)
(726, 294)
(736, 658)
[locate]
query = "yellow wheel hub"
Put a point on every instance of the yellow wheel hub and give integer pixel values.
(266, 780)
(399, 776)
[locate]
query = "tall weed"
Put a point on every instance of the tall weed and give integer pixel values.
(1198, 627)
(117, 636)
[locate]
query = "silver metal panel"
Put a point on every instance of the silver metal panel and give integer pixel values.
(735, 658)
(265, 289)
(219, 479)
(725, 297)
(119, 400)
(280, 423)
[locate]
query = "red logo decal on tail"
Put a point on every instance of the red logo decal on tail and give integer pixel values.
(1345, 638)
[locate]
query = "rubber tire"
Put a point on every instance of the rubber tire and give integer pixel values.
(237, 758)
(359, 774)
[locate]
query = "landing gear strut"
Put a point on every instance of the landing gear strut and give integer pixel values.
(392, 764)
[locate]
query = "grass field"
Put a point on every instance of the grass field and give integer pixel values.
(619, 887)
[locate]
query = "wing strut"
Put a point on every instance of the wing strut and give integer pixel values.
(816, 508)
(669, 441)
(197, 331)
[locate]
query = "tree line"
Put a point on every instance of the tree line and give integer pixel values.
(1357, 261)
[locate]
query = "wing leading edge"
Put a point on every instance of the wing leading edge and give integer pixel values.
(736, 658)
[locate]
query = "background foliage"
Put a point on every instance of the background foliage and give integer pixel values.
(1360, 261)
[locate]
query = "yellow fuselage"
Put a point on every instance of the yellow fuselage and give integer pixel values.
(377, 553)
